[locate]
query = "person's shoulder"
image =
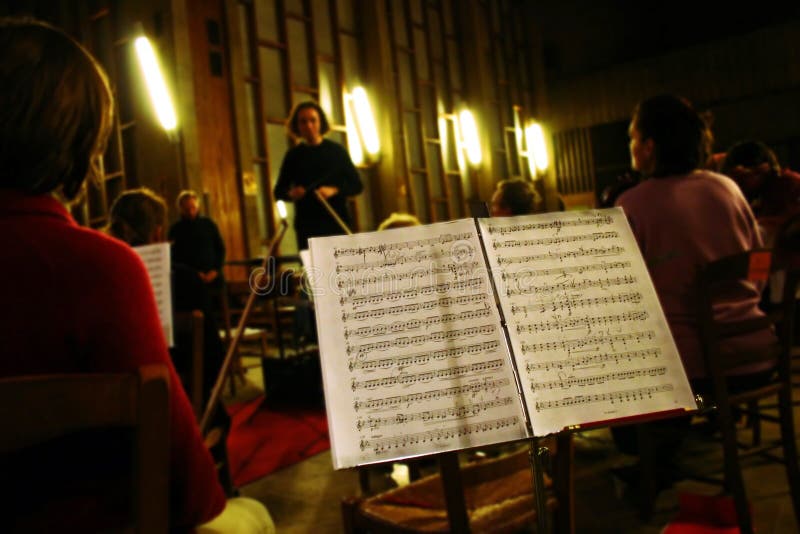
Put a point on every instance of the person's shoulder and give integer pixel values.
(719, 181)
(634, 194)
(789, 176)
(206, 220)
(333, 146)
(107, 256)
(177, 225)
(715, 177)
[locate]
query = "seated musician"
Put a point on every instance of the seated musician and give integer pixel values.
(684, 217)
(515, 197)
(138, 217)
(76, 300)
(773, 192)
(79, 301)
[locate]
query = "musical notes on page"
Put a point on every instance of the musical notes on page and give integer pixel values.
(413, 352)
(587, 331)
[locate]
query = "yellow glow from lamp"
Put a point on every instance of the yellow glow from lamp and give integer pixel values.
(353, 141)
(469, 136)
(537, 149)
(529, 150)
(366, 121)
(155, 84)
(282, 209)
(518, 133)
(443, 135)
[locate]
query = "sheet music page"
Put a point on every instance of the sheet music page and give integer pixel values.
(156, 259)
(587, 330)
(414, 359)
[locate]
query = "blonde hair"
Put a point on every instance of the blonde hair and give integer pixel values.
(399, 220)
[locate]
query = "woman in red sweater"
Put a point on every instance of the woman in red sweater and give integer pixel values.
(75, 300)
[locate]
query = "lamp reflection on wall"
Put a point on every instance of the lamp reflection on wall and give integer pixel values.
(362, 135)
(535, 149)
(156, 86)
(466, 137)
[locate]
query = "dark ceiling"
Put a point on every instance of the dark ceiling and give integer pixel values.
(584, 36)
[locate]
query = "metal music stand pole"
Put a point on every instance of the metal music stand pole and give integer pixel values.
(538, 455)
(216, 392)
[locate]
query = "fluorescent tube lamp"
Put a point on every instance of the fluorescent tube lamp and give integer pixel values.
(469, 136)
(353, 139)
(537, 149)
(529, 153)
(282, 209)
(156, 86)
(366, 121)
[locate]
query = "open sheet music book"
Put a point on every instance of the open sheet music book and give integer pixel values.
(482, 331)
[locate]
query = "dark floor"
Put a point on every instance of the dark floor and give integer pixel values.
(304, 498)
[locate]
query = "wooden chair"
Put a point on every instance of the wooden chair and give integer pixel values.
(498, 494)
(716, 282)
(44, 412)
(189, 330)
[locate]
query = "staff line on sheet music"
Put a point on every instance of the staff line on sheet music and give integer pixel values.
(594, 220)
(395, 259)
(612, 397)
(594, 252)
(434, 336)
(398, 442)
(388, 403)
(452, 412)
(563, 271)
(592, 380)
(445, 302)
(423, 358)
(382, 248)
(573, 285)
(562, 324)
(582, 361)
(456, 269)
(414, 324)
(513, 243)
(569, 344)
(632, 297)
(412, 378)
(443, 287)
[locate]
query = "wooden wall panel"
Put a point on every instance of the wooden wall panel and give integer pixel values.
(218, 178)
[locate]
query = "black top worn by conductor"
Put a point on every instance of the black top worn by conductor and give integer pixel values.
(311, 166)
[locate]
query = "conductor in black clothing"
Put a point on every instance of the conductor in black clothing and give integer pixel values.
(316, 163)
(196, 241)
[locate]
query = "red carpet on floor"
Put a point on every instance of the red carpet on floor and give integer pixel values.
(265, 438)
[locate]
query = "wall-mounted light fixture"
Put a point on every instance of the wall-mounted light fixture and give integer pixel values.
(156, 86)
(535, 144)
(282, 210)
(469, 136)
(466, 136)
(362, 135)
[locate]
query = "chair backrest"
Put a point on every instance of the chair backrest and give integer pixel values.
(189, 331)
(726, 280)
(38, 411)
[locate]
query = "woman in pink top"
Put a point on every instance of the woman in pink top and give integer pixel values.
(683, 218)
